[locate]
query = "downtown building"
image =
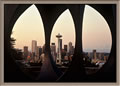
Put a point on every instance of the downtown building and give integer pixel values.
(38, 51)
(53, 51)
(65, 48)
(34, 49)
(25, 52)
(70, 48)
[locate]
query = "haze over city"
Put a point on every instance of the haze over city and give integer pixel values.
(96, 33)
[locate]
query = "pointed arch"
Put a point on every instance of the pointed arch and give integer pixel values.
(28, 23)
(65, 26)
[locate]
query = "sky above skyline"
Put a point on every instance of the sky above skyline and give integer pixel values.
(96, 33)
(65, 26)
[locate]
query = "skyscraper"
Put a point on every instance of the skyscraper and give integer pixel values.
(65, 48)
(70, 48)
(38, 51)
(53, 51)
(34, 48)
(25, 53)
(53, 47)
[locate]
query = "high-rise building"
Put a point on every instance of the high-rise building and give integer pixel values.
(94, 55)
(70, 48)
(53, 51)
(25, 52)
(53, 47)
(34, 48)
(63, 54)
(65, 48)
(37, 54)
(58, 59)
(38, 51)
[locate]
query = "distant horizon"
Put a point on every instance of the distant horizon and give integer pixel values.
(86, 50)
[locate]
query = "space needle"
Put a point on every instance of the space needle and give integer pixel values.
(58, 59)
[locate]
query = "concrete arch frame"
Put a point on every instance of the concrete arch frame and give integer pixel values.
(76, 72)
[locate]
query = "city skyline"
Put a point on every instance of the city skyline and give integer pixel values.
(41, 46)
(64, 25)
(61, 54)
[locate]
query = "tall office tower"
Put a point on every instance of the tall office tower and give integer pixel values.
(65, 48)
(38, 52)
(70, 48)
(34, 48)
(94, 55)
(53, 51)
(58, 59)
(25, 53)
(61, 44)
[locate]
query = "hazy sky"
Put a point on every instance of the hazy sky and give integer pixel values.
(96, 33)
(29, 27)
(65, 26)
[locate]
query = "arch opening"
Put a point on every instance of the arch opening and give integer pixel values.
(28, 41)
(62, 41)
(96, 39)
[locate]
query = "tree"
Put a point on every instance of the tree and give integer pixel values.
(12, 42)
(15, 53)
